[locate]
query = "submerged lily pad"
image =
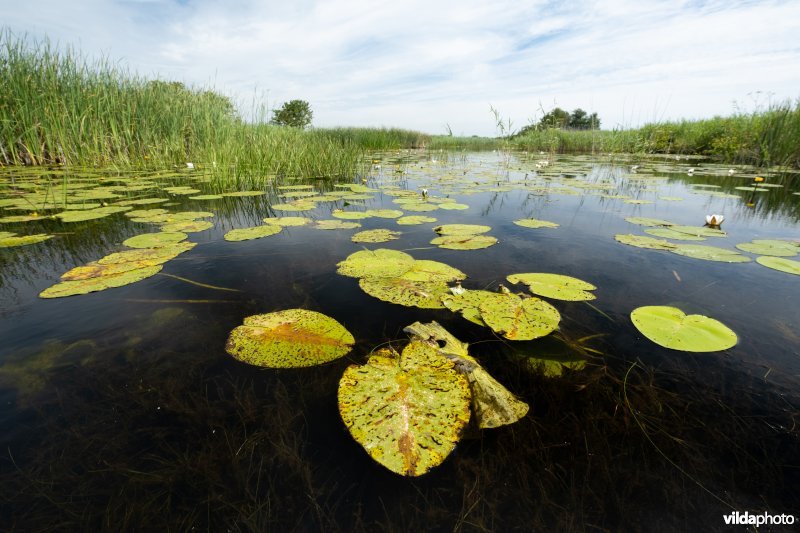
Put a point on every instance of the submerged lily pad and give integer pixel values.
(555, 286)
(461, 229)
(376, 235)
(535, 223)
(710, 253)
(289, 339)
(779, 263)
(519, 319)
(422, 294)
(99, 283)
(771, 247)
(154, 240)
(11, 240)
(640, 241)
(672, 328)
(553, 368)
(382, 263)
(257, 232)
(408, 411)
(414, 219)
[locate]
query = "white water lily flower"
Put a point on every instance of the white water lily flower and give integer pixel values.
(714, 220)
(458, 289)
(189, 165)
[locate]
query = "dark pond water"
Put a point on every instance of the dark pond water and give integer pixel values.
(121, 410)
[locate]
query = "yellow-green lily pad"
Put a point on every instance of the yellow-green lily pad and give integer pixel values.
(426, 270)
(99, 283)
(644, 221)
(535, 223)
(464, 242)
(289, 339)
(461, 229)
(672, 328)
(773, 247)
(422, 294)
(287, 221)
(384, 213)
(414, 220)
(154, 256)
(349, 215)
(257, 232)
(382, 263)
(189, 226)
(467, 302)
(408, 411)
(336, 224)
(154, 240)
(519, 319)
(206, 197)
(555, 286)
(669, 233)
(244, 193)
(376, 235)
(13, 240)
(780, 263)
(640, 241)
(710, 253)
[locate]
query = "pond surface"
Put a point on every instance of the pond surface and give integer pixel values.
(122, 410)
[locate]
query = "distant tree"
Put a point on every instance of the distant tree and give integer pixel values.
(581, 120)
(294, 113)
(557, 118)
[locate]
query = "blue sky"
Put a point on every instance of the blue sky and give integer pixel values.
(428, 64)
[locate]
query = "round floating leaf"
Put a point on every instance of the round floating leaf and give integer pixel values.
(425, 270)
(710, 253)
(771, 247)
(640, 241)
(407, 411)
(155, 256)
(519, 319)
(464, 242)
(644, 221)
(672, 328)
(468, 304)
(376, 235)
(669, 233)
(287, 221)
(22, 240)
(461, 229)
(296, 206)
(422, 294)
(154, 240)
(96, 270)
(246, 234)
(453, 206)
(384, 213)
(244, 193)
(349, 215)
(145, 213)
(555, 286)
(534, 223)
(99, 283)
(188, 215)
(414, 219)
(20, 218)
(698, 231)
(779, 263)
(383, 263)
(206, 197)
(189, 226)
(336, 224)
(420, 207)
(289, 339)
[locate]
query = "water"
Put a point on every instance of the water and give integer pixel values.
(121, 409)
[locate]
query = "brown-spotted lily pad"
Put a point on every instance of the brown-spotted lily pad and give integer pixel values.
(289, 339)
(10, 240)
(555, 286)
(287, 221)
(99, 283)
(464, 242)
(376, 235)
(519, 319)
(381, 263)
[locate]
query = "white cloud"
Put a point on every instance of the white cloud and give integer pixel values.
(422, 65)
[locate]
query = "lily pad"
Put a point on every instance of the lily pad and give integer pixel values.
(336, 224)
(100, 283)
(467, 302)
(669, 233)
(154, 240)
(295, 206)
(672, 328)
(426, 270)
(414, 219)
(555, 286)
(644, 221)
(779, 263)
(257, 232)
(20, 218)
(376, 235)
(384, 213)
(408, 411)
(289, 339)
(420, 207)
(383, 263)
(12, 240)
(287, 221)
(464, 242)
(771, 247)
(710, 253)
(461, 229)
(188, 226)
(349, 215)
(553, 368)
(519, 319)
(422, 294)
(453, 206)
(155, 256)
(492, 404)
(244, 193)
(535, 223)
(699, 231)
(640, 241)
(206, 197)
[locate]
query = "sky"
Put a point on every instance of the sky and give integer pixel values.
(438, 65)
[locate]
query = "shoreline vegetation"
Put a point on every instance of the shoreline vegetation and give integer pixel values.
(59, 108)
